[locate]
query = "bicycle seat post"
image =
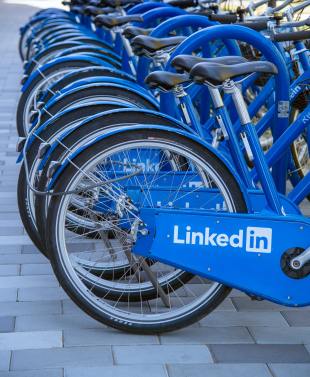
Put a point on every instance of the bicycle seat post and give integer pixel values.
(219, 133)
(186, 107)
(266, 180)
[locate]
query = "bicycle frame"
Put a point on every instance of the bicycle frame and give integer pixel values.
(281, 116)
(167, 231)
(211, 238)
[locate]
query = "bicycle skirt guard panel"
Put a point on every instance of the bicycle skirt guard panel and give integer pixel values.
(244, 251)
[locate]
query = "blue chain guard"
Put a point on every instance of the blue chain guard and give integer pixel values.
(243, 251)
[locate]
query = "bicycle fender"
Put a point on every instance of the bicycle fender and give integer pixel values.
(50, 122)
(138, 90)
(179, 131)
(88, 81)
(102, 115)
(92, 61)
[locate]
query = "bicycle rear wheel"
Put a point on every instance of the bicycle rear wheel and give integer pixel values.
(181, 167)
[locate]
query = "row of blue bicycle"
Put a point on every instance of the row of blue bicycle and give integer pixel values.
(164, 150)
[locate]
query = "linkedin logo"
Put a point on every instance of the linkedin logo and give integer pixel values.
(254, 239)
(258, 240)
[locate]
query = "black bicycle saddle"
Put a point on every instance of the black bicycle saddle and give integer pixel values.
(165, 80)
(133, 31)
(151, 44)
(186, 62)
(216, 73)
(109, 21)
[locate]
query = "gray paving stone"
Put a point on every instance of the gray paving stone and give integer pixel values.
(226, 305)
(69, 307)
(34, 373)
(36, 269)
(43, 311)
(8, 170)
(30, 340)
(7, 231)
(246, 304)
(290, 370)
(4, 240)
(276, 335)
(30, 308)
(12, 170)
(221, 319)
(259, 353)
(13, 249)
(105, 336)
(39, 294)
(4, 186)
(9, 197)
(61, 358)
(31, 249)
(5, 357)
(56, 322)
(8, 295)
(8, 183)
(208, 335)
(28, 281)
(219, 370)
(118, 371)
(21, 258)
(236, 293)
(7, 324)
(297, 317)
(9, 162)
(9, 269)
(162, 354)
(19, 240)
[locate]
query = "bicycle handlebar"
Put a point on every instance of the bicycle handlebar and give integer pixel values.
(258, 25)
(263, 24)
(291, 36)
(224, 18)
(305, 22)
(183, 3)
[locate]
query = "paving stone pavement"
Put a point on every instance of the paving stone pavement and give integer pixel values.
(43, 333)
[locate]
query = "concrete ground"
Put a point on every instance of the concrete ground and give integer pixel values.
(42, 333)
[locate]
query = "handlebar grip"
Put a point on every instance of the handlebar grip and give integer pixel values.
(183, 3)
(258, 26)
(224, 18)
(292, 36)
(272, 3)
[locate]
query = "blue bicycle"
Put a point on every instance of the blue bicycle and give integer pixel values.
(148, 214)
